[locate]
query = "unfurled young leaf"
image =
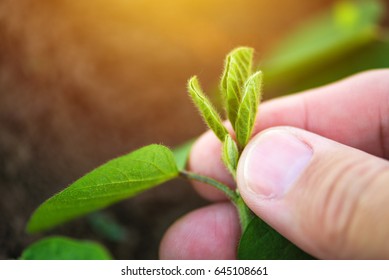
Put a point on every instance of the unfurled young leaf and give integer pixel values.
(237, 69)
(63, 248)
(116, 180)
(230, 154)
(209, 114)
(248, 109)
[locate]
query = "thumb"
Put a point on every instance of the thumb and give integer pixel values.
(329, 199)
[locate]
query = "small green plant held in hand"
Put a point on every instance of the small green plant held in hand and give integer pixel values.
(152, 165)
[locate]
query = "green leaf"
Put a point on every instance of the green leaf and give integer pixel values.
(230, 154)
(62, 248)
(261, 242)
(181, 154)
(209, 114)
(248, 109)
(237, 69)
(116, 180)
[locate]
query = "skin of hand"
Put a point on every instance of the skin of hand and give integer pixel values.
(316, 170)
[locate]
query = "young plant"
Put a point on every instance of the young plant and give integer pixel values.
(152, 165)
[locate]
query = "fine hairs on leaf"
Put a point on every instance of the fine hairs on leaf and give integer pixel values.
(207, 111)
(230, 155)
(237, 69)
(145, 168)
(248, 109)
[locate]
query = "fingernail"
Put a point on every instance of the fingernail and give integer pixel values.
(273, 162)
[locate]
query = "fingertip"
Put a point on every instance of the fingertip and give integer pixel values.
(211, 232)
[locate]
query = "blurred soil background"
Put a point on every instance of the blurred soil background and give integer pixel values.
(82, 82)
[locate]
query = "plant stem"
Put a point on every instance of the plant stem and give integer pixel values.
(233, 196)
(245, 214)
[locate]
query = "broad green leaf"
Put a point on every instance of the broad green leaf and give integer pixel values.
(237, 69)
(209, 114)
(248, 109)
(63, 248)
(116, 180)
(261, 242)
(230, 154)
(181, 154)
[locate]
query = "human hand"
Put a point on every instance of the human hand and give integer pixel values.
(317, 171)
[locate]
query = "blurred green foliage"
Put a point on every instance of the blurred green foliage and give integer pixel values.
(107, 227)
(181, 154)
(64, 248)
(342, 41)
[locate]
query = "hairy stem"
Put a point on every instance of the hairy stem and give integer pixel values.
(244, 212)
(226, 190)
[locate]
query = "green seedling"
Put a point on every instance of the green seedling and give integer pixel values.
(129, 175)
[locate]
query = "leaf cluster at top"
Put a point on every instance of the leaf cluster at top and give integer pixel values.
(241, 93)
